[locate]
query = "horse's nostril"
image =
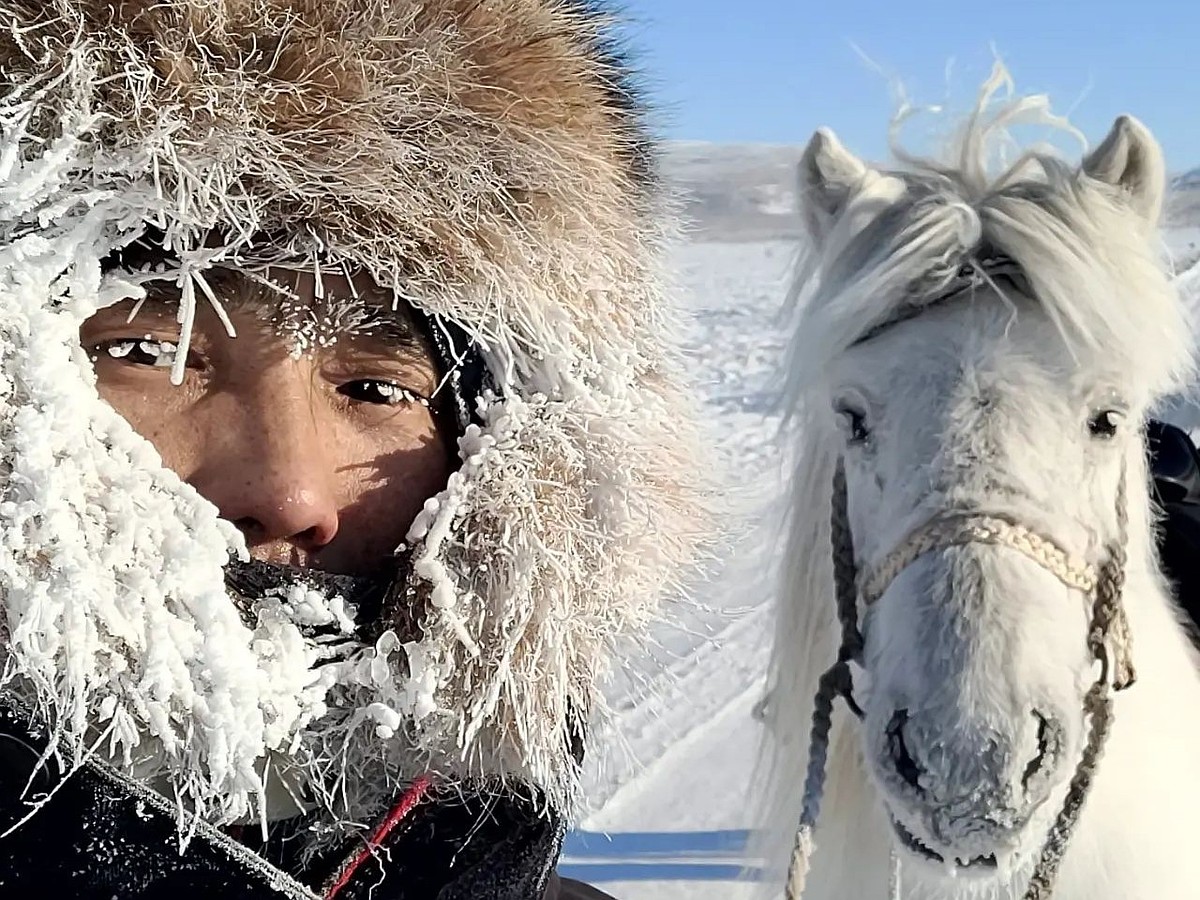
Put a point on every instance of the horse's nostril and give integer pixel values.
(1047, 747)
(906, 766)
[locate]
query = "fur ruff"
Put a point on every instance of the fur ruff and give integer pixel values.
(486, 161)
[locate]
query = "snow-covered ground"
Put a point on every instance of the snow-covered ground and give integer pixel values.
(670, 803)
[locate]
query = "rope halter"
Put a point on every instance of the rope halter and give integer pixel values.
(959, 530)
(1108, 640)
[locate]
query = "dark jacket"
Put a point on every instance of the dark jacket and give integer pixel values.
(1175, 465)
(102, 836)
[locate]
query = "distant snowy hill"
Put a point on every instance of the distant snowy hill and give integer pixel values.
(1183, 208)
(747, 192)
(736, 192)
(1188, 180)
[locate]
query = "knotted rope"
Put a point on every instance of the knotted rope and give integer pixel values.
(1108, 639)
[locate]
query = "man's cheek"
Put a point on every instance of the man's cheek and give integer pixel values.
(176, 434)
(381, 506)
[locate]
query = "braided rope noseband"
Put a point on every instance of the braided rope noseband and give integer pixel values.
(959, 530)
(1108, 639)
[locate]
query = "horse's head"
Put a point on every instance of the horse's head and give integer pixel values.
(977, 355)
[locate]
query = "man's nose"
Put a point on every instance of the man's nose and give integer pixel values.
(266, 471)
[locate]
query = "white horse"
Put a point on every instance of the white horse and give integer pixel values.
(974, 357)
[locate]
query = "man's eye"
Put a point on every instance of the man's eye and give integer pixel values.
(145, 351)
(383, 393)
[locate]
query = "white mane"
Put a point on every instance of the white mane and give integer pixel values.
(899, 240)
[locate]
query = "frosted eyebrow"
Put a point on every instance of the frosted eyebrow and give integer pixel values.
(377, 318)
(319, 321)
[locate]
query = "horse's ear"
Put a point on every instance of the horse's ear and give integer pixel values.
(829, 175)
(1130, 159)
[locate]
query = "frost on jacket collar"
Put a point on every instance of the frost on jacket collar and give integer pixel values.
(486, 162)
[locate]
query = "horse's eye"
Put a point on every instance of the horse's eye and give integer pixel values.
(1104, 424)
(854, 424)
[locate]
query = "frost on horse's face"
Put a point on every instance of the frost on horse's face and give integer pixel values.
(978, 406)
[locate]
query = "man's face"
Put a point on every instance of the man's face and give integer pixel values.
(309, 430)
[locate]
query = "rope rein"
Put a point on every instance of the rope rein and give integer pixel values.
(1108, 639)
(837, 681)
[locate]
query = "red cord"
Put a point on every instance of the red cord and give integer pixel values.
(410, 799)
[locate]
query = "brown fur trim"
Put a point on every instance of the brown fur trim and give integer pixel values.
(435, 141)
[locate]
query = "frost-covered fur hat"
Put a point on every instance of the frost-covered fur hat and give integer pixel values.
(486, 162)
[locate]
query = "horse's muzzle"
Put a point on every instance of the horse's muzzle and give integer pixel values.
(968, 795)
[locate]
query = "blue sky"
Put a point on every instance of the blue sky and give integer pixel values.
(773, 70)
